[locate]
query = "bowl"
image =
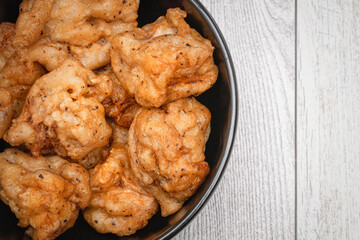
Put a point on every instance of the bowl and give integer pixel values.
(221, 99)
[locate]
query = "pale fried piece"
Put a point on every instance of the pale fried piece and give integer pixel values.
(49, 54)
(82, 23)
(89, 26)
(97, 54)
(118, 204)
(44, 193)
(7, 33)
(166, 148)
(63, 113)
(30, 25)
(163, 61)
(55, 30)
(6, 110)
(120, 106)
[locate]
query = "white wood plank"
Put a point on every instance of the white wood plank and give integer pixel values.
(328, 117)
(256, 198)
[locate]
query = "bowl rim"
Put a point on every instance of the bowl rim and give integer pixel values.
(232, 123)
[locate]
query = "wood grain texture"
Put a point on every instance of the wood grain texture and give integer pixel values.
(328, 117)
(256, 197)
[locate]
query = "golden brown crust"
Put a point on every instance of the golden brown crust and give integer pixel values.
(44, 193)
(16, 76)
(59, 29)
(163, 61)
(6, 110)
(166, 149)
(81, 23)
(118, 203)
(30, 25)
(64, 112)
(7, 33)
(120, 106)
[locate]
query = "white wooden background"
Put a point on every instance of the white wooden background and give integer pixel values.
(305, 88)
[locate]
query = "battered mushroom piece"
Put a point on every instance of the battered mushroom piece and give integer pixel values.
(120, 106)
(118, 204)
(59, 29)
(63, 113)
(76, 22)
(30, 25)
(45, 194)
(163, 61)
(81, 23)
(166, 148)
(49, 54)
(6, 111)
(97, 54)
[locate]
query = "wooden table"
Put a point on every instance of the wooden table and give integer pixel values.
(295, 166)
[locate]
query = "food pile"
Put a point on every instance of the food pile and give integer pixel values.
(101, 115)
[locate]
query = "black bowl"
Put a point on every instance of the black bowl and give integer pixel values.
(221, 99)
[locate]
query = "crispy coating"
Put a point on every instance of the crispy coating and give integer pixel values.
(166, 148)
(30, 25)
(118, 204)
(76, 22)
(6, 110)
(124, 118)
(55, 30)
(63, 113)
(49, 54)
(94, 157)
(17, 72)
(17, 76)
(82, 23)
(163, 61)
(97, 54)
(7, 33)
(44, 193)
(84, 29)
(120, 106)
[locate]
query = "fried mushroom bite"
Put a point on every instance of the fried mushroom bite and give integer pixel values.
(163, 61)
(166, 148)
(30, 25)
(82, 30)
(63, 113)
(44, 193)
(118, 204)
(81, 23)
